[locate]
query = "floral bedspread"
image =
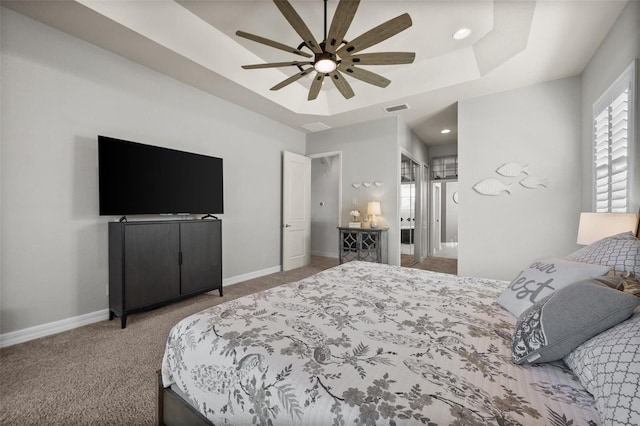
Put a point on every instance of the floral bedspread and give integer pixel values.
(367, 344)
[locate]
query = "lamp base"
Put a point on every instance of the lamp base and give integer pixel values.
(373, 224)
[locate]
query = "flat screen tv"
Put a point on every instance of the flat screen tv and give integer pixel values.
(135, 178)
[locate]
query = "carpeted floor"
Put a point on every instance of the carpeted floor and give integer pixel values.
(101, 374)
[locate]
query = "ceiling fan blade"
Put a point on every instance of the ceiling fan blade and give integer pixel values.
(378, 34)
(364, 75)
(316, 86)
(382, 58)
(298, 24)
(345, 12)
(291, 79)
(272, 43)
(275, 65)
(341, 84)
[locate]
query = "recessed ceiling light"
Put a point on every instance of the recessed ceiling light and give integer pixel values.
(445, 131)
(462, 33)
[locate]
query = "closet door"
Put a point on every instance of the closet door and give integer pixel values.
(201, 244)
(152, 269)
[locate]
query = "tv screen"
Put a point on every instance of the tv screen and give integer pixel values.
(135, 178)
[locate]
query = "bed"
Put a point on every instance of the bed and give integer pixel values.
(365, 344)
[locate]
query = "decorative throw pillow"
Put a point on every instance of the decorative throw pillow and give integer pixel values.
(611, 280)
(562, 321)
(608, 366)
(626, 281)
(543, 277)
(631, 284)
(620, 252)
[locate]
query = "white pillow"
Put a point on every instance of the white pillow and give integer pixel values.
(541, 278)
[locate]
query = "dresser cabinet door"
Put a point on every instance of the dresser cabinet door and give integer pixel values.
(201, 245)
(152, 269)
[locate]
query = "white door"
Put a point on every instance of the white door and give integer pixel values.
(296, 217)
(425, 213)
(435, 231)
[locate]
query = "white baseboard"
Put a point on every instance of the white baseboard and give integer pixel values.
(31, 333)
(43, 330)
(251, 275)
(325, 254)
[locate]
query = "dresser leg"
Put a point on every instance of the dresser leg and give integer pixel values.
(123, 321)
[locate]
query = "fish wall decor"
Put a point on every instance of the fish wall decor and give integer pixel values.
(491, 187)
(534, 182)
(512, 169)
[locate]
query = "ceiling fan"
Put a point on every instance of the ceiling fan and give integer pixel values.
(335, 57)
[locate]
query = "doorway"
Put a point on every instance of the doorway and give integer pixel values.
(326, 203)
(410, 234)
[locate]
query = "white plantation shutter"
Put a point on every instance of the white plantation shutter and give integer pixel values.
(601, 145)
(612, 145)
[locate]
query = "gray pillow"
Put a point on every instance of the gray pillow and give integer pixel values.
(621, 252)
(541, 278)
(562, 321)
(608, 366)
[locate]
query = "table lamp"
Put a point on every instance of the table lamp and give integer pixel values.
(373, 209)
(595, 226)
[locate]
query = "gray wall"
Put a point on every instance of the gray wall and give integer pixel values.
(369, 153)
(537, 125)
(443, 150)
(325, 179)
(620, 47)
(412, 145)
(58, 93)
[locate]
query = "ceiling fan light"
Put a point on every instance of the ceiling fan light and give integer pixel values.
(325, 66)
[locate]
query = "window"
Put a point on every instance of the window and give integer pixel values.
(445, 167)
(613, 133)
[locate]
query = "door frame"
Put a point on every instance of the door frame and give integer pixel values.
(417, 226)
(426, 192)
(436, 213)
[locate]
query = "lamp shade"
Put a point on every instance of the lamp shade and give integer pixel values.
(595, 226)
(373, 208)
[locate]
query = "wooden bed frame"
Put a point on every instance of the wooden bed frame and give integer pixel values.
(172, 409)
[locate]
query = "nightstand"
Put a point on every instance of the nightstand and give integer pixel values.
(366, 244)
